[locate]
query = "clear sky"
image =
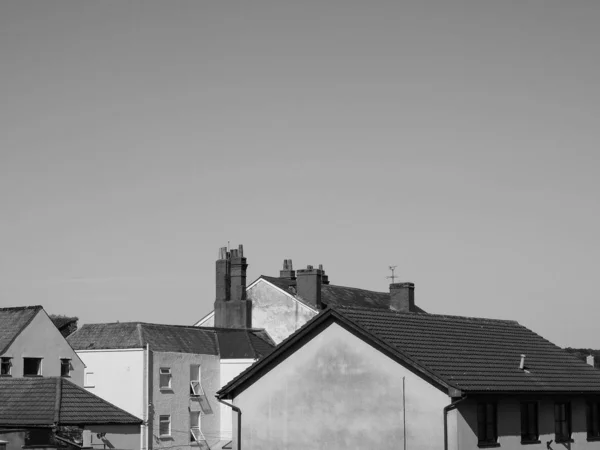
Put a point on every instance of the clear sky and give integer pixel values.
(455, 139)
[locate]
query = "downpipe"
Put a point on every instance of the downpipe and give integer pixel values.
(239, 416)
(448, 408)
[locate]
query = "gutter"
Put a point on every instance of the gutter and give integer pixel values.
(448, 408)
(239, 427)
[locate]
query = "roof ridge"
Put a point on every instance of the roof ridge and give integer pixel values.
(20, 308)
(416, 314)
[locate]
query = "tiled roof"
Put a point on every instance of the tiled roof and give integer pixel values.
(13, 321)
(62, 321)
(229, 343)
(340, 296)
(34, 401)
(464, 353)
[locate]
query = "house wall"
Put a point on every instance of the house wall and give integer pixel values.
(41, 339)
(15, 439)
(118, 377)
(177, 402)
(277, 312)
(509, 423)
(338, 392)
(121, 437)
(230, 368)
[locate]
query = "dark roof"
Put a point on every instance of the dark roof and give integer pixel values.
(13, 321)
(229, 343)
(341, 296)
(464, 353)
(45, 401)
(62, 321)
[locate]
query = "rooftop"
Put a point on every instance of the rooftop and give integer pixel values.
(45, 401)
(465, 353)
(13, 321)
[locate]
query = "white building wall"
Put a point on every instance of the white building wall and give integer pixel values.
(230, 368)
(117, 377)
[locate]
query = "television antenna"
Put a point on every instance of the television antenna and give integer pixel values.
(392, 276)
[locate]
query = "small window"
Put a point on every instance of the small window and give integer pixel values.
(89, 381)
(529, 422)
(487, 433)
(195, 433)
(165, 425)
(165, 378)
(5, 366)
(65, 367)
(562, 422)
(32, 367)
(195, 387)
(593, 421)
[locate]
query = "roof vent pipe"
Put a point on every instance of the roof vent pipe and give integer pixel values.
(522, 364)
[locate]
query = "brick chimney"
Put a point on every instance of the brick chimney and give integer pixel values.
(324, 277)
(308, 285)
(232, 309)
(287, 272)
(402, 297)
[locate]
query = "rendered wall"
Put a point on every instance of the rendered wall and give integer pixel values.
(338, 392)
(277, 312)
(509, 424)
(230, 368)
(177, 401)
(41, 339)
(118, 377)
(119, 437)
(15, 439)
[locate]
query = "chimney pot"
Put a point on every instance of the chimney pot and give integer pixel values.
(232, 309)
(287, 272)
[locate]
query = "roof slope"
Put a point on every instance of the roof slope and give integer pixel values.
(229, 343)
(13, 321)
(465, 353)
(62, 321)
(33, 402)
(340, 296)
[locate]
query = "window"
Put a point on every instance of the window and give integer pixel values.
(165, 378)
(486, 424)
(32, 367)
(195, 433)
(89, 380)
(593, 421)
(195, 387)
(165, 425)
(65, 367)
(562, 421)
(5, 366)
(529, 422)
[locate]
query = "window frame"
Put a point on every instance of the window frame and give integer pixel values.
(485, 409)
(160, 423)
(568, 420)
(167, 371)
(196, 428)
(4, 362)
(69, 367)
(589, 413)
(86, 379)
(40, 370)
(526, 437)
(195, 385)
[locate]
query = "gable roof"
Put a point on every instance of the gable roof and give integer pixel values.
(339, 296)
(455, 353)
(229, 343)
(45, 401)
(13, 321)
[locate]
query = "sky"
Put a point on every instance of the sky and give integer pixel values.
(456, 140)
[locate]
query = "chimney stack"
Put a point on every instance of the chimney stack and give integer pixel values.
(324, 278)
(308, 286)
(402, 297)
(232, 309)
(288, 272)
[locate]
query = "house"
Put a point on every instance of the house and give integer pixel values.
(31, 345)
(355, 378)
(281, 305)
(41, 411)
(168, 375)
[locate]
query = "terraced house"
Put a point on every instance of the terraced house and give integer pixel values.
(167, 375)
(356, 378)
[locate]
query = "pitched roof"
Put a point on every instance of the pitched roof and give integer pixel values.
(464, 353)
(340, 296)
(62, 321)
(45, 401)
(229, 343)
(13, 321)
